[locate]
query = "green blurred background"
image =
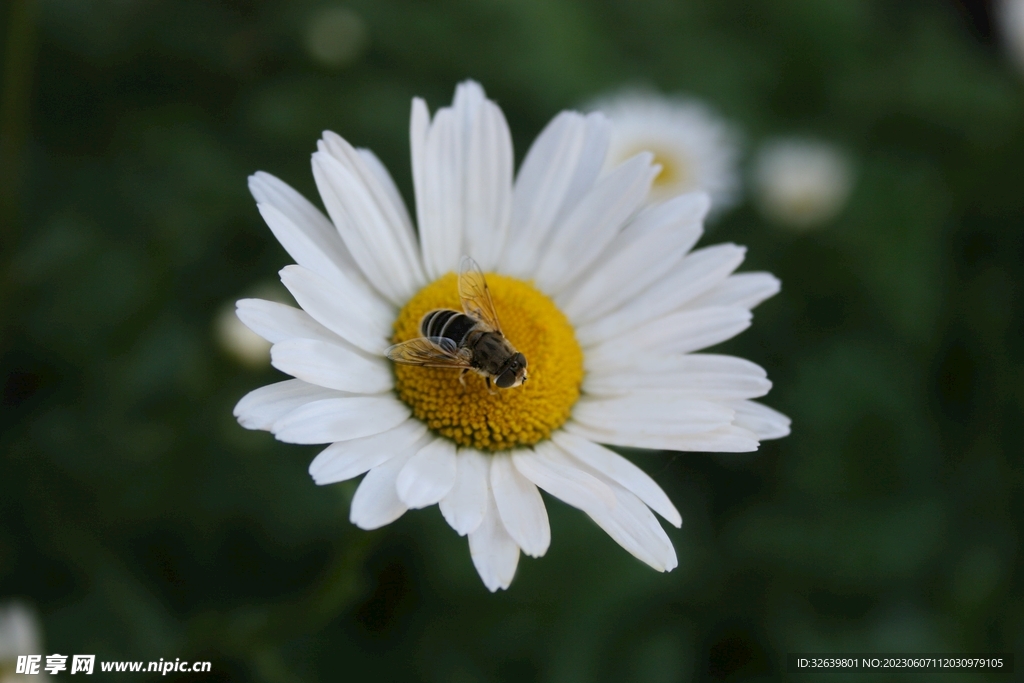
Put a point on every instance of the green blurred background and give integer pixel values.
(143, 522)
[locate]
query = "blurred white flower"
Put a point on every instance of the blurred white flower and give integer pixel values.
(694, 147)
(1010, 18)
(801, 183)
(335, 36)
(20, 634)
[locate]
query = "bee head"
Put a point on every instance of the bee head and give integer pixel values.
(513, 374)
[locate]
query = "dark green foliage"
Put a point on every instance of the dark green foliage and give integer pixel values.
(145, 523)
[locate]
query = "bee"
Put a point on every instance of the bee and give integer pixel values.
(470, 340)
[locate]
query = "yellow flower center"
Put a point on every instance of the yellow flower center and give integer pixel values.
(495, 419)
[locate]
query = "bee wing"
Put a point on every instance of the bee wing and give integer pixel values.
(432, 352)
(476, 297)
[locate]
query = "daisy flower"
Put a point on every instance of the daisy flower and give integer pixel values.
(603, 296)
(695, 149)
(801, 183)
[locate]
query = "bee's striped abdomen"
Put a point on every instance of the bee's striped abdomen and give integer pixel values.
(448, 324)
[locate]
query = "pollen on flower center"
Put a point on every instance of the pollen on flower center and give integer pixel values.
(471, 415)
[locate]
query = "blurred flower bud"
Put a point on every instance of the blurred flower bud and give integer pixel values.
(335, 36)
(801, 183)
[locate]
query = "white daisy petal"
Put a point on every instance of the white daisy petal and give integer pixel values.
(463, 179)
(639, 256)
(344, 313)
(621, 514)
(376, 502)
(385, 208)
(344, 460)
(312, 251)
(419, 128)
(429, 475)
(267, 188)
(309, 248)
(466, 503)
(696, 274)
(340, 419)
(550, 468)
(239, 340)
(520, 506)
(559, 169)
(319, 240)
(331, 366)
(488, 184)
(681, 332)
(279, 322)
(760, 419)
(729, 439)
(380, 246)
(743, 289)
(261, 408)
(495, 555)
(632, 525)
(387, 184)
(462, 172)
(438, 197)
(593, 224)
(621, 471)
(694, 375)
(656, 413)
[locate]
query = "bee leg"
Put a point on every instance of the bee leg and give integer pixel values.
(490, 390)
(462, 376)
